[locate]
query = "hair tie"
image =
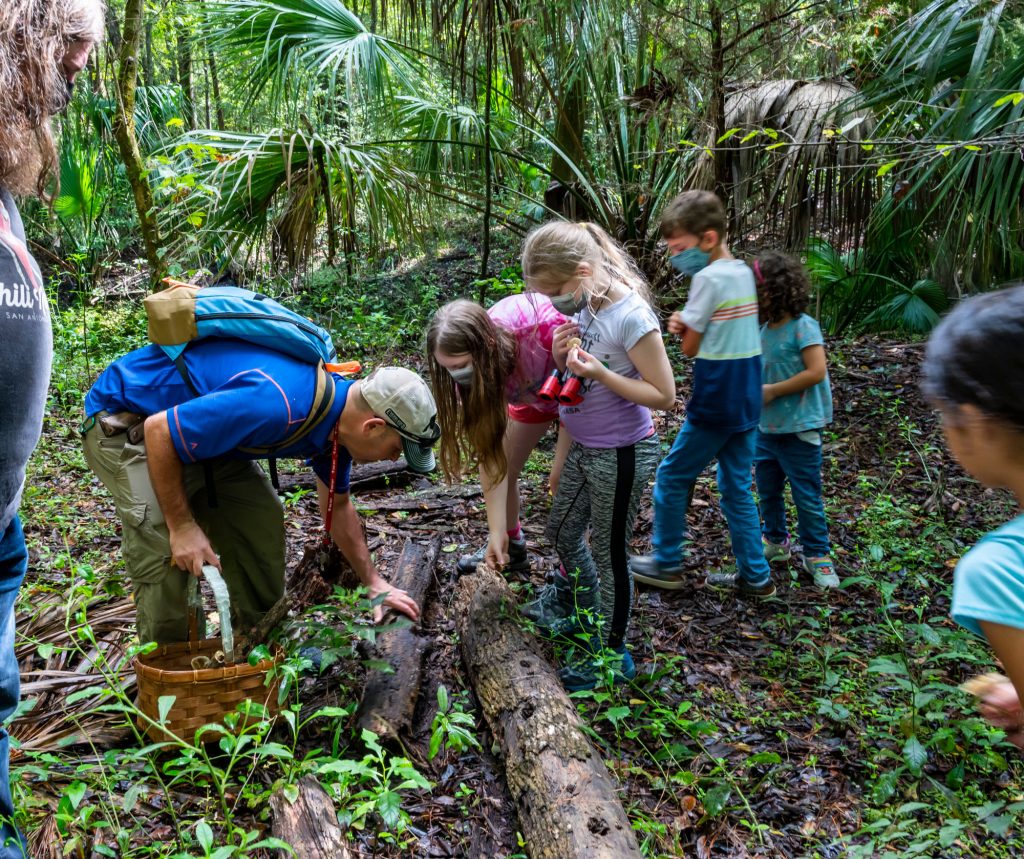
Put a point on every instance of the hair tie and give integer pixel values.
(757, 273)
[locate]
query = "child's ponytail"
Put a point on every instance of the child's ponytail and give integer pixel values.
(617, 262)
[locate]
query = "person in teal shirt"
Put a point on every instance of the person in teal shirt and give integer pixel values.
(797, 406)
(974, 376)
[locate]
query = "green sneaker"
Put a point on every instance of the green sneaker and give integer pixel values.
(776, 552)
(732, 580)
(823, 571)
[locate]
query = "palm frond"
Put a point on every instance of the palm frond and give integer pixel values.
(321, 42)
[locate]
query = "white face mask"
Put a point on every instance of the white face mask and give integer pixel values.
(462, 375)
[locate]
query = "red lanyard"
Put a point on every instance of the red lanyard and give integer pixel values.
(330, 490)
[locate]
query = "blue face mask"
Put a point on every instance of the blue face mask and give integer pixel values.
(690, 261)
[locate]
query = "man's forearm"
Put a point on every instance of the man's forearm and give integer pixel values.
(166, 473)
(347, 533)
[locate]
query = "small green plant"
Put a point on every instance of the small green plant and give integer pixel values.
(452, 728)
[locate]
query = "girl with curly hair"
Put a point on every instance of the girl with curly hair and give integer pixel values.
(797, 406)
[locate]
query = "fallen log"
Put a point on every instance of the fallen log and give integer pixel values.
(310, 823)
(389, 700)
(565, 797)
(369, 475)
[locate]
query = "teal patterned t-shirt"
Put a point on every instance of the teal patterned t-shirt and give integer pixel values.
(781, 350)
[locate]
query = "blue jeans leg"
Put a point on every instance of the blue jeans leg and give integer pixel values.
(801, 462)
(13, 564)
(771, 481)
(735, 459)
(692, 451)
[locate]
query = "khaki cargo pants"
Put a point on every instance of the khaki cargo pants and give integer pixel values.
(246, 529)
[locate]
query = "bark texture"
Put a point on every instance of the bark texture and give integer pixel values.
(389, 700)
(566, 799)
(310, 824)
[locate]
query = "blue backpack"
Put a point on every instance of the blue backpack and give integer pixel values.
(183, 313)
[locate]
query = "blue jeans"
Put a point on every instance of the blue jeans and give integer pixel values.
(13, 564)
(784, 457)
(692, 451)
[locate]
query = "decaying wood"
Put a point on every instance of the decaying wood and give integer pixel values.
(438, 498)
(389, 700)
(371, 475)
(260, 633)
(310, 824)
(565, 797)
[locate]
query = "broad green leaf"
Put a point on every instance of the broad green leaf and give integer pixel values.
(915, 754)
(885, 168)
(163, 705)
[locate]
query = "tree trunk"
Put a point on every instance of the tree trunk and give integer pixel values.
(485, 251)
(310, 824)
(389, 700)
(218, 104)
(565, 797)
(721, 162)
(185, 73)
(124, 133)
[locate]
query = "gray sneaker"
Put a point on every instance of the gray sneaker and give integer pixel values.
(647, 569)
(732, 580)
(518, 559)
(552, 608)
(823, 571)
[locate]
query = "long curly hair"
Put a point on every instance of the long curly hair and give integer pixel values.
(474, 417)
(34, 37)
(782, 286)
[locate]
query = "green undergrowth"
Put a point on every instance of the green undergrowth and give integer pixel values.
(816, 725)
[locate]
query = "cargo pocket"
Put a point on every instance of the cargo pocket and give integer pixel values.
(144, 544)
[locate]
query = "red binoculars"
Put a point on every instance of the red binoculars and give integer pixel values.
(555, 390)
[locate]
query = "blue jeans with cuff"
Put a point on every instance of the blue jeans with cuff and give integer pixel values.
(784, 457)
(13, 564)
(693, 450)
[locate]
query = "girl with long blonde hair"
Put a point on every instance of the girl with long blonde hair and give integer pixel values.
(613, 345)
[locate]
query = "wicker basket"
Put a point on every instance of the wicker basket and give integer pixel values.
(201, 694)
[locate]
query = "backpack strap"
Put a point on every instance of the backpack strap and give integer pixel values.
(323, 400)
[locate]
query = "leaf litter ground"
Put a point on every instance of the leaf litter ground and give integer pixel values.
(814, 725)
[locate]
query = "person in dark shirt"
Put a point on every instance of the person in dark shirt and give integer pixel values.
(43, 47)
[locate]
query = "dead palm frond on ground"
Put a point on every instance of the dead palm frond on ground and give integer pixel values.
(67, 658)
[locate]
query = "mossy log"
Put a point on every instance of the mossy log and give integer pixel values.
(565, 797)
(389, 699)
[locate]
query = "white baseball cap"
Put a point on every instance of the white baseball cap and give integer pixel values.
(403, 400)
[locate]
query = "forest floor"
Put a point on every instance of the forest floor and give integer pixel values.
(817, 724)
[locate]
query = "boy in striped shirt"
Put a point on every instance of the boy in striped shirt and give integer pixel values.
(719, 329)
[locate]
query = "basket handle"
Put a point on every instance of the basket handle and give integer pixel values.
(220, 595)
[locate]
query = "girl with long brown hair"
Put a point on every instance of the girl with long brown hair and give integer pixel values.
(486, 367)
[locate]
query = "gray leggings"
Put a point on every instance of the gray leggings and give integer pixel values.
(601, 487)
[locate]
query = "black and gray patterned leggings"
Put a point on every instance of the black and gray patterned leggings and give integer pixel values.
(601, 487)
